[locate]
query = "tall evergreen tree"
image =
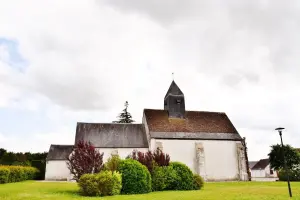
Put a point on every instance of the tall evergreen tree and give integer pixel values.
(125, 116)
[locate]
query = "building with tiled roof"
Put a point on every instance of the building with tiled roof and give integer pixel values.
(261, 170)
(207, 142)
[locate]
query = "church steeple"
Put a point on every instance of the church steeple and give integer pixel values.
(174, 101)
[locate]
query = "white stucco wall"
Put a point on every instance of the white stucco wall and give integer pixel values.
(220, 156)
(263, 173)
(122, 152)
(57, 170)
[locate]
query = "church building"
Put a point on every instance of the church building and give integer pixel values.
(207, 142)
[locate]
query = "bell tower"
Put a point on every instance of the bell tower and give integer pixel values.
(174, 102)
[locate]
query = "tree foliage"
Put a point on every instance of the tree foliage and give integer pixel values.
(85, 159)
(125, 116)
(292, 157)
(37, 160)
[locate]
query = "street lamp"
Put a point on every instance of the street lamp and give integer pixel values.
(284, 161)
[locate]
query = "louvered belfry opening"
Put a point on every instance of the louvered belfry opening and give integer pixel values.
(174, 102)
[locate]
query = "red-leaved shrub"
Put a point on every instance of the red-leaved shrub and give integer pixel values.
(150, 159)
(84, 159)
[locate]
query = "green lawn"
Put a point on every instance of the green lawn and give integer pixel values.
(236, 190)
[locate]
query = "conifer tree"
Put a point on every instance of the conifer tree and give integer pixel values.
(125, 116)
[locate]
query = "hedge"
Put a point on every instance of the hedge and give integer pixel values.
(105, 183)
(294, 175)
(136, 178)
(10, 174)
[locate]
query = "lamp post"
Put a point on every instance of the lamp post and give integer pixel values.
(284, 161)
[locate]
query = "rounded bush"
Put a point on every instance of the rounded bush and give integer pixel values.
(105, 183)
(136, 178)
(184, 175)
(4, 174)
(198, 182)
(88, 185)
(109, 183)
(163, 178)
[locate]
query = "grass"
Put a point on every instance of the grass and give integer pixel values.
(34, 190)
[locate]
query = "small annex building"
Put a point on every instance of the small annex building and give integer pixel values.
(205, 141)
(262, 171)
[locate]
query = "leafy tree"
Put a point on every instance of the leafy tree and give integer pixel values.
(2, 152)
(125, 116)
(292, 157)
(85, 159)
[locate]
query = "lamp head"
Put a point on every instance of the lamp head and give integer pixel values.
(279, 129)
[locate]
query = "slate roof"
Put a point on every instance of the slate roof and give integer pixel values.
(252, 163)
(59, 152)
(197, 124)
(261, 164)
(112, 135)
(174, 90)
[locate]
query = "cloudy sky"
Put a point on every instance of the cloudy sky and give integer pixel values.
(79, 60)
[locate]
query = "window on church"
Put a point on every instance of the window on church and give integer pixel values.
(271, 171)
(178, 101)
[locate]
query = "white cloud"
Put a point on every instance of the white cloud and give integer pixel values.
(86, 58)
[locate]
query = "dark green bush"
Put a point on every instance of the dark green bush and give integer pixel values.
(184, 175)
(4, 174)
(198, 182)
(112, 163)
(163, 178)
(17, 173)
(41, 166)
(294, 175)
(88, 185)
(136, 178)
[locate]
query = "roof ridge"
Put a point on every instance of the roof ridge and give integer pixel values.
(107, 123)
(203, 111)
(61, 145)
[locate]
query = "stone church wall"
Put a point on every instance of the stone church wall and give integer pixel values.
(213, 160)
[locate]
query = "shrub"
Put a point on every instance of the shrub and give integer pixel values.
(294, 175)
(112, 163)
(150, 160)
(10, 174)
(16, 174)
(184, 175)
(136, 178)
(145, 159)
(41, 166)
(161, 158)
(88, 185)
(109, 183)
(4, 174)
(85, 159)
(163, 178)
(198, 182)
(106, 183)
